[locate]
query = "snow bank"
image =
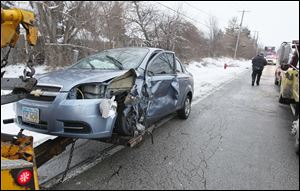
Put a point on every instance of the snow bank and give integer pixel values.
(208, 74)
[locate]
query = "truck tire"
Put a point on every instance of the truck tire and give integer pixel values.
(297, 136)
(276, 82)
(284, 100)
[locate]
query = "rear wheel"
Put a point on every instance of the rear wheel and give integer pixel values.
(276, 81)
(185, 111)
(282, 100)
(285, 100)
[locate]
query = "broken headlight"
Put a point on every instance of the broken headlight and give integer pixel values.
(87, 91)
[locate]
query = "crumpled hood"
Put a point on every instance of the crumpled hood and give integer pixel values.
(68, 78)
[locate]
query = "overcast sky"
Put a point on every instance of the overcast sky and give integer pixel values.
(276, 21)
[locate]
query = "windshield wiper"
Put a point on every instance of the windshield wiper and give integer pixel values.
(92, 66)
(116, 62)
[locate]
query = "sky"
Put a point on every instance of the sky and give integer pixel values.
(275, 21)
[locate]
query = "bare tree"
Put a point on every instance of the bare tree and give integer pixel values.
(214, 36)
(166, 31)
(113, 27)
(143, 17)
(230, 36)
(190, 42)
(59, 24)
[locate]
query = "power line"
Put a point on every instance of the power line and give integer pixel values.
(196, 8)
(190, 17)
(182, 14)
(201, 10)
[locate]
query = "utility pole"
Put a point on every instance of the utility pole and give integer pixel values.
(255, 38)
(257, 43)
(238, 38)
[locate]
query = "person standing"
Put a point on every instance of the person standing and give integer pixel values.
(258, 63)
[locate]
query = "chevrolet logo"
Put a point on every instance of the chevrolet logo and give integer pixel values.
(37, 92)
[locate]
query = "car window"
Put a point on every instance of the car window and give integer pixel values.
(170, 57)
(161, 65)
(178, 67)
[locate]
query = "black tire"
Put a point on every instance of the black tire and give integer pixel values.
(185, 111)
(125, 117)
(125, 124)
(276, 82)
(284, 100)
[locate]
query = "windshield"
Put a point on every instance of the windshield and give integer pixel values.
(114, 59)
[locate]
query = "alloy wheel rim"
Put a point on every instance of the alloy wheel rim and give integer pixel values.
(187, 107)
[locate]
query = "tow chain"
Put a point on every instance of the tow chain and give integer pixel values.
(69, 161)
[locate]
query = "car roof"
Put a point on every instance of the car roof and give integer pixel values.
(151, 49)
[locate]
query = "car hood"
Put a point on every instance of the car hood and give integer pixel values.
(68, 78)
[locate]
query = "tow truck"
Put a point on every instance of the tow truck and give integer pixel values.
(289, 82)
(19, 159)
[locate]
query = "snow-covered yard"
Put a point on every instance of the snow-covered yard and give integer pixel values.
(208, 74)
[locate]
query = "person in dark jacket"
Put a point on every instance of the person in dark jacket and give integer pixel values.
(258, 63)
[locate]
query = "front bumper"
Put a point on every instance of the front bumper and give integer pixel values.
(67, 118)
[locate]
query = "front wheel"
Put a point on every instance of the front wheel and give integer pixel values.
(185, 111)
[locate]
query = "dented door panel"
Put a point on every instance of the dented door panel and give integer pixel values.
(162, 86)
(163, 95)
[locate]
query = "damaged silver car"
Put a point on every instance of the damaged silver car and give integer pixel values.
(119, 91)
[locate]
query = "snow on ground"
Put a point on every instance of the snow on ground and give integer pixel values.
(208, 74)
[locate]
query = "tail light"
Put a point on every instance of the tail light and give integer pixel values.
(24, 177)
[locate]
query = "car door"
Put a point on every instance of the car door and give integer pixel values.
(162, 85)
(183, 80)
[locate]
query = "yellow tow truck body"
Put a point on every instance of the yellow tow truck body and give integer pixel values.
(289, 87)
(18, 167)
(19, 160)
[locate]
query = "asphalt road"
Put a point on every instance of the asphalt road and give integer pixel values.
(236, 138)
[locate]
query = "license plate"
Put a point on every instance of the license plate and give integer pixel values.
(30, 115)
